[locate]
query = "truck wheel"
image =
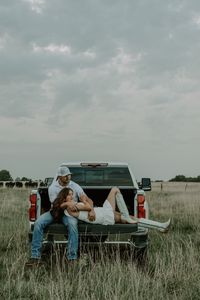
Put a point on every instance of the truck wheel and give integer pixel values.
(30, 236)
(140, 256)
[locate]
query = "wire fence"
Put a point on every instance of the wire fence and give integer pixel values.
(175, 186)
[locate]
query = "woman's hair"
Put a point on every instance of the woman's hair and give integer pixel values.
(62, 195)
(56, 211)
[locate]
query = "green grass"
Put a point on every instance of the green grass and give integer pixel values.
(172, 270)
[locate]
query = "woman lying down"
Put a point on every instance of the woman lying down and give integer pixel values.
(106, 215)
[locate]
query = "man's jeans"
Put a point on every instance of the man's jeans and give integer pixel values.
(46, 219)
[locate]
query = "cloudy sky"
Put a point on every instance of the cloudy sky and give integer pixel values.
(100, 80)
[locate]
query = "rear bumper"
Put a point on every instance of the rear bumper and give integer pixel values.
(128, 234)
(140, 239)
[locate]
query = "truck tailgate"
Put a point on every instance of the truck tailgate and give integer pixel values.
(92, 229)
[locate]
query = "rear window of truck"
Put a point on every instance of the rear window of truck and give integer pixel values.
(101, 176)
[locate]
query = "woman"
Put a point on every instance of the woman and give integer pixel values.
(106, 215)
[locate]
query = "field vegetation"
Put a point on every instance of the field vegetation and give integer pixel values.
(171, 271)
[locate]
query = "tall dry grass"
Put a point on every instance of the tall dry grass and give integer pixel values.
(172, 270)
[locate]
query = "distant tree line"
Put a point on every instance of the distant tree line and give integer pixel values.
(182, 178)
(5, 176)
(18, 182)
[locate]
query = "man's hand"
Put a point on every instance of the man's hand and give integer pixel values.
(72, 207)
(91, 215)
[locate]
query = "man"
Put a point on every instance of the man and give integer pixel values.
(61, 180)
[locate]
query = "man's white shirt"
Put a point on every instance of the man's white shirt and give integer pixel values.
(55, 188)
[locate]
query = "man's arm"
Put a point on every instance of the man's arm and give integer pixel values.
(70, 205)
(83, 206)
(91, 213)
(74, 207)
(52, 193)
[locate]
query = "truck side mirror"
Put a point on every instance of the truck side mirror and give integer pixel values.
(146, 184)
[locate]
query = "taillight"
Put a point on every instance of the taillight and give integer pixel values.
(32, 209)
(140, 205)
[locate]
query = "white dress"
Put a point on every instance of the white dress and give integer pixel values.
(104, 215)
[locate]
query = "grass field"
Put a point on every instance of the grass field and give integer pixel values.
(171, 272)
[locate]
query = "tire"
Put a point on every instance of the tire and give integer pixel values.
(141, 256)
(30, 236)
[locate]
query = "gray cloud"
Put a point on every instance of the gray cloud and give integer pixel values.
(125, 75)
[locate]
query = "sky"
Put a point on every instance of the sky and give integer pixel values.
(100, 80)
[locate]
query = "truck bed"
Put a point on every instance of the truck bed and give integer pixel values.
(97, 195)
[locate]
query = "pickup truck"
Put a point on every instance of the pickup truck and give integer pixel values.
(97, 179)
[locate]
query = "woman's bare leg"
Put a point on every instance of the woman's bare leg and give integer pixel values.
(123, 209)
(111, 197)
(117, 217)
